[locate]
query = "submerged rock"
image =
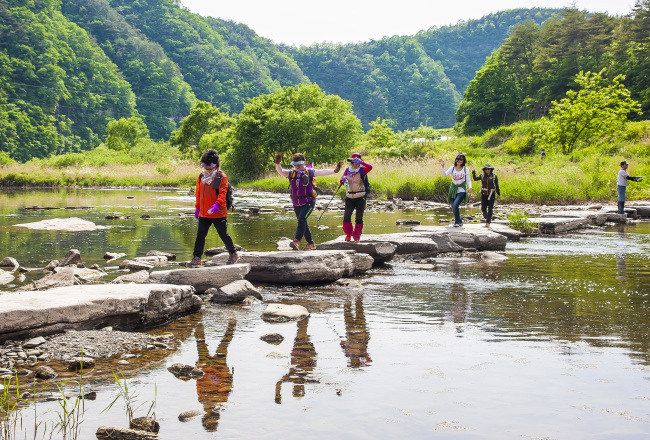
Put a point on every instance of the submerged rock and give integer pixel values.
(182, 370)
(111, 433)
(44, 372)
(72, 224)
(272, 338)
(190, 414)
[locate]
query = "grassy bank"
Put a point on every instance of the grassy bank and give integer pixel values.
(587, 175)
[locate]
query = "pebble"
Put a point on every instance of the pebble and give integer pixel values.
(123, 362)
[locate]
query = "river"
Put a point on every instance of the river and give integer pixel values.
(552, 343)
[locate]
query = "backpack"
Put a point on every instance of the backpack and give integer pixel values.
(310, 173)
(215, 186)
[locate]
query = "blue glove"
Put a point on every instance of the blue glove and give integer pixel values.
(343, 180)
(196, 213)
(214, 208)
(356, 161)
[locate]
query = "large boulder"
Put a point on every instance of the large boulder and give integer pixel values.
(301, 267)
(125, 307)
(380, 251)
(64, 277)
(406, 243)
(202, 278)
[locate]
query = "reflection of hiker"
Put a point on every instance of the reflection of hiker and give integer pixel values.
(211, 207)
(461, 305)
(213, 388)
(357, 336)
(355, 178)
(303, 362)
(489, 191)
(621, 187)
(303, 195)
(461, 186)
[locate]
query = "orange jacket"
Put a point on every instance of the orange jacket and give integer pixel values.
(206, 196)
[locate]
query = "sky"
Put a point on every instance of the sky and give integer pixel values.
(304, 22)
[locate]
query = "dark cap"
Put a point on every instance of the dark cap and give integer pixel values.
(624, 163)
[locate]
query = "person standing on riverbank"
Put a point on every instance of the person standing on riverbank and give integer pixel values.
(489, 191)
(461, 186)
(355, 178)
(303, 194)
(211, 209)
(621, 187)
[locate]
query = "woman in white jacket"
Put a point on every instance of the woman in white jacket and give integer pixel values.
(461, 186)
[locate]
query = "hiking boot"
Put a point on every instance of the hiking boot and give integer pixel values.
(196, 262)
(295, 244)
(357, 241)
(487, 225)
(233, 258)
(456, 225)
(309, 247)
(348, 238)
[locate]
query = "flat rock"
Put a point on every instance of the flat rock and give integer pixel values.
(152, 259)
(552, 225)
(493, 256)
(380, 251)
(71, 224)
(284, 313)
(113, 255)
(236, 292)
(407, 243)
(202, 278)
(112, 433)
(408, 221)
(168, 255)
(141, 276)
(482, 239)
(125, 307)
(642, 208)
(9, 262)
(595, 218)
(499, 228)
(34, 342)
(64, 277)
(135, 265)
(301, 267)
(221, 249)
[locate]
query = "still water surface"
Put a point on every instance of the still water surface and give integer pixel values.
(552, 343)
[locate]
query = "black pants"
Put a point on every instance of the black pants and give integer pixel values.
(302, 214)
(221, 225)
(350, 205)
(487, 206)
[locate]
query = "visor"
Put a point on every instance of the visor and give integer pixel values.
(208, 166)
(298, 162)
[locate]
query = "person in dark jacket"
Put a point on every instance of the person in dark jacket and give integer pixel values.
(489, 191)
(211, 207)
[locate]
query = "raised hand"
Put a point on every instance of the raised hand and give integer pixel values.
(338, 167)
(278, 158)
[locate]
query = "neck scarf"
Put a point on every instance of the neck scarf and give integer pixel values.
(208, 176)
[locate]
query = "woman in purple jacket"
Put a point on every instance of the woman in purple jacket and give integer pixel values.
(303, 196)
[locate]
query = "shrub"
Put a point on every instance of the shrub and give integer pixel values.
(519, 220)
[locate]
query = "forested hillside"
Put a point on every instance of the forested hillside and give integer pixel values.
(411, 80)
(538, 64)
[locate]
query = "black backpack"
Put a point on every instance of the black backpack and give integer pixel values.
(216, 182)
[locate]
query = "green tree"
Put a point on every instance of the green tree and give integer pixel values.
(205, 127)
(294, 119)
(593, 111)
(125, 134)
(380, 135)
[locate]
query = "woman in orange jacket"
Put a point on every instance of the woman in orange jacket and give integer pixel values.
(211, 207)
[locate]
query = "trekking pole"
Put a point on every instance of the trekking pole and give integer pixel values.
(328, 203)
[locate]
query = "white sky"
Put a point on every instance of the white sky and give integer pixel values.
(350, 21)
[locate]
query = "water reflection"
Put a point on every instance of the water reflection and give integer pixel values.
(355, 346)
(461, 305)
(214, 387)
(303, 362)
(621, 265)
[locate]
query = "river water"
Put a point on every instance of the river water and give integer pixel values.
(552, 343)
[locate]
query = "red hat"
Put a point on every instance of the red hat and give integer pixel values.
(353, 155)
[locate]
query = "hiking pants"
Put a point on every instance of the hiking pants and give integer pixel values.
(350, 205)
(221, 225)
(460, 196)
(487, 205)
(302, 213)
(620, 189)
